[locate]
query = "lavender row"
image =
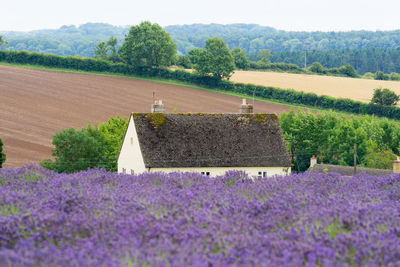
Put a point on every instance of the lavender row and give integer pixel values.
(97, 218)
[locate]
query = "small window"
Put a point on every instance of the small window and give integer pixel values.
(131, 140)
(262, 174)
(205, 173)
(132, 171)
(208, 173)
(123, 170)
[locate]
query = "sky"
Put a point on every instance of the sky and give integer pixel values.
(292, 15)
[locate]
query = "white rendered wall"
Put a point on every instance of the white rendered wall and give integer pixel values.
(216, 171)
(130, 157)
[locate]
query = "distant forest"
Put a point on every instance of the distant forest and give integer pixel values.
(366, 51)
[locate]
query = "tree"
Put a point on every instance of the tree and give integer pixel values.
(379, 159)
(263, 56)
(240, 58)
(148, 45)
(183, 61)
(215, 59)
(384, 97)
(112, 49)
(107, 50)
(2, 155)
(101, 50)
(317, 68)
(379, 75)
(90, 147)
(2, 41)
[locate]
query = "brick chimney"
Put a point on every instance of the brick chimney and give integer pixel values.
(245, 108)
(158, 107)
(313, 161)
(396, 165)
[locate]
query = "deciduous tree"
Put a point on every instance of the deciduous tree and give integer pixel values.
(89, 147)
(215, 59)
(148, 45)
(384, 97)
(240, 58)
(263, 56)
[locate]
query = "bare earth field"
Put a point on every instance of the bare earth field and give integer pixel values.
(357, 89)
(35, 104)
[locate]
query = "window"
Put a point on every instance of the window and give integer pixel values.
(205, 173)
(262, 174)
(123, 170)
(131, 140)
(132, 171)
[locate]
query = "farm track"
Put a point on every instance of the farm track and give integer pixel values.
(357, 89)
(35, 104)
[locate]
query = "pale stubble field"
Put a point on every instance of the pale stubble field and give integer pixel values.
(357, 89)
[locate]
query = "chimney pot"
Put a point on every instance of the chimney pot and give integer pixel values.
(158, 107)
(396, 165)
(245, 108)
(313, 161)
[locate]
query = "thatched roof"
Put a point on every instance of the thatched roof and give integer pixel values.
(348, 170)
(210, 140)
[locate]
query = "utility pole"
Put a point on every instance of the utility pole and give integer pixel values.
(355, 159)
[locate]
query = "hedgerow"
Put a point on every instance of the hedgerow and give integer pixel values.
(268, 92)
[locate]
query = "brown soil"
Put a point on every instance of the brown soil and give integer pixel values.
(35, 104)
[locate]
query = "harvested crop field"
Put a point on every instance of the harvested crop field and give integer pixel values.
(357, 89)
(35, 104)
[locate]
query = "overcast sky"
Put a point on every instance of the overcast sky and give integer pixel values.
(296, 15)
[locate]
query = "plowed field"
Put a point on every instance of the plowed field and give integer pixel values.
(35, 104)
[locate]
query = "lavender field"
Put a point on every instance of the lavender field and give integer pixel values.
(96, 218)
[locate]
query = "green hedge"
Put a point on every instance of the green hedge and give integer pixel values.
(283, 95)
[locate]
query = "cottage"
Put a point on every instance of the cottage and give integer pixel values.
(207, 143)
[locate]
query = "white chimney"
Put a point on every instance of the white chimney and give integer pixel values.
(396, 165)
(245, 108)
(158, 107)
(313, 161)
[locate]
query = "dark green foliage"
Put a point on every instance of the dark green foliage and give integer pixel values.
(240, 58)
(147, 45)
(331, 138)
(2, 41)
(384, 97)
(379, 75)
(183, 61)
(378, 158)
(263, 56)
(108, 50)
(317, 68)
(90, 147)
(214, 60)
(2, 155)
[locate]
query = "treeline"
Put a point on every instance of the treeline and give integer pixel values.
(386, 60)
(67, 40)
(252, 38)
(331, 139)
(366, 51)
(283, 95)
